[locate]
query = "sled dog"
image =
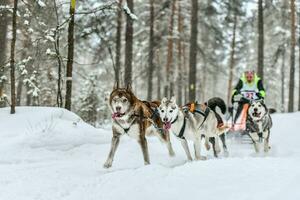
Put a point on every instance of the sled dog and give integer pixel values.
(135, 118)
(258, 124)
(187, 124)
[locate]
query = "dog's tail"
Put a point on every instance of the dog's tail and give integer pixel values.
(216, 101)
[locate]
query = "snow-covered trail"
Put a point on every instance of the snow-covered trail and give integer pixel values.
(49, 153)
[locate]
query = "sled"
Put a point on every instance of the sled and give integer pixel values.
(238, 129)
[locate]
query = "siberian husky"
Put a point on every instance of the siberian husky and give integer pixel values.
(135, 118)
(189, 125)
(258, 124)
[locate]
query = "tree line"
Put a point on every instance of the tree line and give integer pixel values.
(70, 53)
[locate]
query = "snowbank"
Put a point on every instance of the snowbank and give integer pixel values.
(49, 153)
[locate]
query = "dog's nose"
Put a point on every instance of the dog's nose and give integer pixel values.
(255, 109)
(118, 108)
(165, 119)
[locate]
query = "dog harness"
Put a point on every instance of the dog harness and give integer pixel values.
(192, 108)
(181, 132)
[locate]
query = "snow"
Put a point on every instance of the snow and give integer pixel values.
(128, 12)
(50, 153)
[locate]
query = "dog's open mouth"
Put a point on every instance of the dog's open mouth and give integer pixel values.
(167, 125)
(256, 114)
(117, 115)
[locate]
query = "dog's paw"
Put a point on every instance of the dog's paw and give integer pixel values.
(201, 158)
(266, 149)
(146, 163)
(172, 154)
(107, 164)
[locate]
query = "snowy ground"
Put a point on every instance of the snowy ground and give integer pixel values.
(49, 153)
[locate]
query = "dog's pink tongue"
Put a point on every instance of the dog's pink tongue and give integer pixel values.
(167, 125)
(115, 115)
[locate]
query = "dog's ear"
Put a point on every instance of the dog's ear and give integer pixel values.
(129, 87)
(116, 85)
(173, 99)
(164, 100)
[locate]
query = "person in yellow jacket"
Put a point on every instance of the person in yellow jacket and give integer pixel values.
(250, 87)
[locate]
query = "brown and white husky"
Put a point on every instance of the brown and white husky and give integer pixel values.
(135, 118)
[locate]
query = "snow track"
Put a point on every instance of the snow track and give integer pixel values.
(49, 153)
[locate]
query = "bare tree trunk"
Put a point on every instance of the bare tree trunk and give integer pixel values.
(69, 81)
(128, 46)
(299, 58)
(179, 49)
(282, 81)
(185, 73)
(260, 63)
(3, 38)
(151, 51)
(158, 75)
(167, 90)
(232, 54)
(118, 43)
(12, 59)
(193, 51)
(59, 100)
(292, 58)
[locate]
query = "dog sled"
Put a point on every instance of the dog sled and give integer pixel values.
(238, 128)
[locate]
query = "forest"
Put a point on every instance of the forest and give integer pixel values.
(68, 53)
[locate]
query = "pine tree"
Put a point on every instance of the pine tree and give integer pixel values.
(151, 51)
(193, 51)
(260, 63)
(292, 58)
(3, 39)
(12, 58)
(129, 44)
(70, 56)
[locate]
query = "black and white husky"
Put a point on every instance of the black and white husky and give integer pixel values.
(188, 125)
(258, 124)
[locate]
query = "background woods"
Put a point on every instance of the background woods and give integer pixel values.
(70, 53)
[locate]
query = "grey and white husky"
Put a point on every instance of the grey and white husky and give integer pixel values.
(191, 125)
(258, 124)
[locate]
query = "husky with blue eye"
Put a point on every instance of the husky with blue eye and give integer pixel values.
(192, 124)
(258, 124)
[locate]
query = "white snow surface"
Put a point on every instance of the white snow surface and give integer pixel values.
(50, 153)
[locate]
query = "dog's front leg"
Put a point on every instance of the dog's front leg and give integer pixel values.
(186, 149)
(144, 146)
(197, 148)
(169, 144)
(114, 145)
(255, 138)
(266, 135)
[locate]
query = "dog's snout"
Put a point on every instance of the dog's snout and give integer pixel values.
(165, 119)
(255, 109)
(118, 108)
